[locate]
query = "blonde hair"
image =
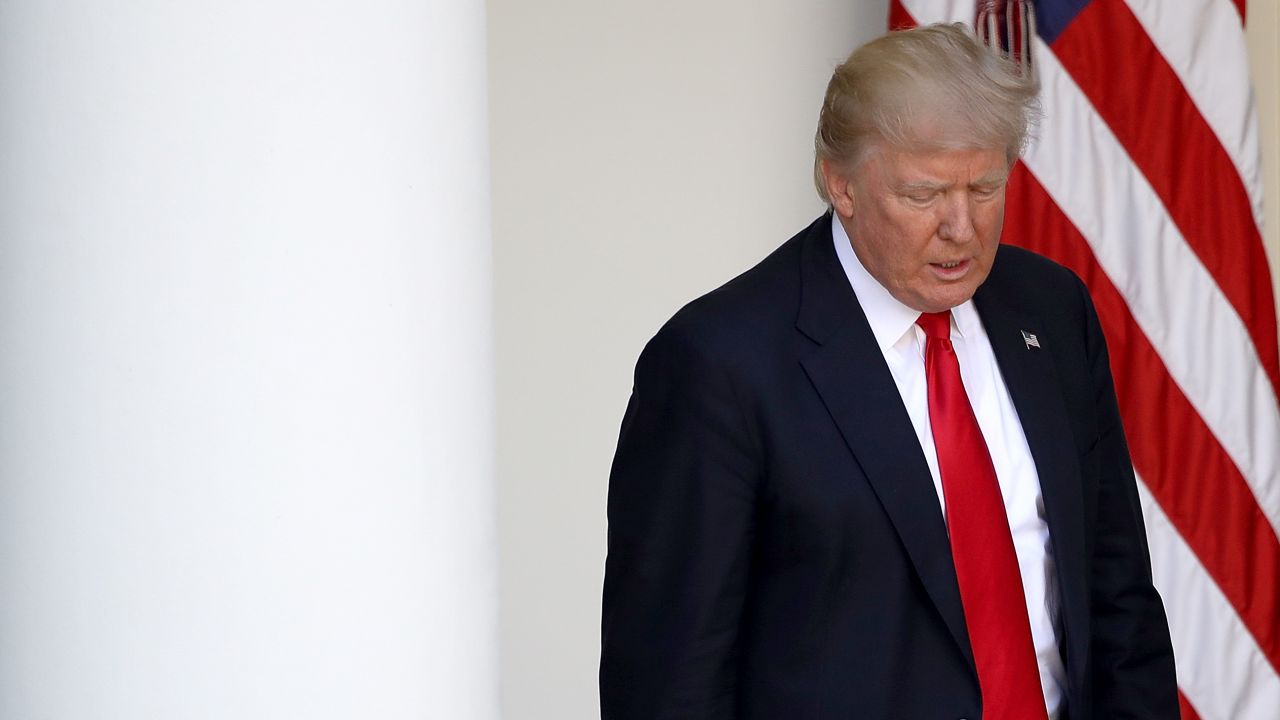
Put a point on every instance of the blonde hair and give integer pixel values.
(934, 86)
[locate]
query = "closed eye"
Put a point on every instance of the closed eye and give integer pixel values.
(922, 199)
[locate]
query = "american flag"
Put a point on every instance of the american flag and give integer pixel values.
(1144, 179)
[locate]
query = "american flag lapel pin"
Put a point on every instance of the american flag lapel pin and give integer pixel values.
(1031, 340)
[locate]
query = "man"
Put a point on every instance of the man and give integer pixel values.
(882, 474)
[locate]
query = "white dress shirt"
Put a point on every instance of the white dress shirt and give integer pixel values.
(902, 342)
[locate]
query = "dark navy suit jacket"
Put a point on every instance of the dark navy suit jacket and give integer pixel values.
(776, 546)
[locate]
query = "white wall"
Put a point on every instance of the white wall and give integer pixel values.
(643, 154)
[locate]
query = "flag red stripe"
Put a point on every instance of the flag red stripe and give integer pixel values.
(1198, 486)
(1184, 705)
(1240, 5)
(1145, 104)
(899, 18)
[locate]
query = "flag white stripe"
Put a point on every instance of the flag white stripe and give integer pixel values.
(1221, 669)
(935, 11)
(1193, 327)
(1204, 43)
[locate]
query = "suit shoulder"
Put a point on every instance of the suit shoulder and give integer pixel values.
(745, 311)
(1013, 262)
(1034, 279)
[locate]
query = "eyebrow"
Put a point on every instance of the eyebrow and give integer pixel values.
(921, 186)
(993, 178)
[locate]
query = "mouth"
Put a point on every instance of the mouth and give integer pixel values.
(951, 270)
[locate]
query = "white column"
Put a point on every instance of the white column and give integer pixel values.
(245, 361)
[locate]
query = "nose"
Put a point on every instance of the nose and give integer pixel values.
(955, 223)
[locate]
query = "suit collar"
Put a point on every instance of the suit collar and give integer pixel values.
(826, 305)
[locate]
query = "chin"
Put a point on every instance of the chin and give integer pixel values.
(938, 304)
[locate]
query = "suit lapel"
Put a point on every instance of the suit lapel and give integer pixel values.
(850, 374)
(1031, 378)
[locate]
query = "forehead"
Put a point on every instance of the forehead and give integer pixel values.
(938, 164)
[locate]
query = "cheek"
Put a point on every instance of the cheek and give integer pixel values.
(991, 219)
(912, 229)
(915, 238)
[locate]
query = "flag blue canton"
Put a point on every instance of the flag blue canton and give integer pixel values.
(1053, 16)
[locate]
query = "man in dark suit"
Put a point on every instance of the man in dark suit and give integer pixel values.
(882, 473)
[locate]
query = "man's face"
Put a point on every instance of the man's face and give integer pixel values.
(925, 224)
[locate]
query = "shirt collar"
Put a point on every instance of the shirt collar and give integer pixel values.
(888, 317)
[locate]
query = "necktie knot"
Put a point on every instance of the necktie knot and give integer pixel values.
(936, 326)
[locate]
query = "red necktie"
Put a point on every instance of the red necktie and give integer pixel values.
(995, 609)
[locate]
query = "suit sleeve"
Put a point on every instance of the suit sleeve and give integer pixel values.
(1133, 671)
(682, 497)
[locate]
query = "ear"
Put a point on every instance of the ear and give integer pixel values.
(839, 189)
